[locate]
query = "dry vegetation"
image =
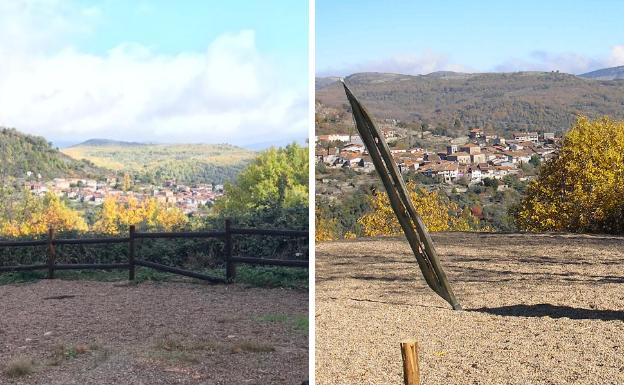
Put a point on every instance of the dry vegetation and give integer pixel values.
(499, 102)
(78, 332)
(539, 309)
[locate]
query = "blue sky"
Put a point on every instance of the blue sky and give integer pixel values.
(172, 27)
(159, 71)
(475, 36)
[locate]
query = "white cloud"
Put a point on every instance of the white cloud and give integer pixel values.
(408, 64)
(429, 61)
(36, 26)
(568, 62)
(229, 93)
(617, 56)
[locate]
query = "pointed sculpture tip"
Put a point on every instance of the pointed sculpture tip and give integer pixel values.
(342, 80)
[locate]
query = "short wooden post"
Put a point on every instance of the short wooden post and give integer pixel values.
(131, 251)
(51, 253)
(230, 266)
(411, 372)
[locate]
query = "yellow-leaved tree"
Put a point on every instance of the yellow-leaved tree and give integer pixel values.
(34, 215)
(117, 216)
(582, 188)
(437, 213)
(326, 229)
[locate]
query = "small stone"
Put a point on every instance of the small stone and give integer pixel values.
(47, 334)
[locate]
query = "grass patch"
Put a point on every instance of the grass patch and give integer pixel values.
(302, 323)
(19, 367)
(62, 353)
(281, 318)
(21, 277)
(298, 322)
(273, 276)
(252, 347)
(265, 276)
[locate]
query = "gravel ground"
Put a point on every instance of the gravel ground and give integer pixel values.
(153, 333)
(538, 309)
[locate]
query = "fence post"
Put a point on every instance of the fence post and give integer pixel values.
(51, 253)
(230, 266)
(411, 372)
(131, 251)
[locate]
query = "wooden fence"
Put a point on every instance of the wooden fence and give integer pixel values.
(230, 260)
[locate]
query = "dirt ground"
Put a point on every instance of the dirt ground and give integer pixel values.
(79, 332)
(538, 309)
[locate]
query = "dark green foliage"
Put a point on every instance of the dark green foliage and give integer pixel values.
(189, 172)
(420, 178)
(272, 193)
(535, 160)
(269, 217)
(491, 182)
(156, 163)
(346, 212)
(289, 277)
(20, 153)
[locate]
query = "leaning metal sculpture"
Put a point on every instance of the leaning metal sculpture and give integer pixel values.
(415, 230)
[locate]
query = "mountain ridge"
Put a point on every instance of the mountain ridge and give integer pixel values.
(500, 102)
(611, 73)
(107, 142)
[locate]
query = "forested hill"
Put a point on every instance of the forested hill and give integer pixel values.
(155, 163)
(502, 102)
(108, 142)
(612, 73)
(21, 153)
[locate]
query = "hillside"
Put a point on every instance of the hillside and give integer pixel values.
(21, 153)
(107, 142)
(500, 102)
(538, 309)
(187, 163)
(612, 73)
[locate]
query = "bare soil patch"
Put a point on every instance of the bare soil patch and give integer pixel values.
(80, 332)
(538, 309)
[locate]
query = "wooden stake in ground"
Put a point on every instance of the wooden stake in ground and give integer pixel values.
(411, 371)
(415, 230)
(51, 251)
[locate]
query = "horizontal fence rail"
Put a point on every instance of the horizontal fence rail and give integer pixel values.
(194, 234)
(282, 233)
(273, 262)
(226, 236)
(88, 241)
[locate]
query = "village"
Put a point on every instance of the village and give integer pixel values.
(468, 159)
(189, 199)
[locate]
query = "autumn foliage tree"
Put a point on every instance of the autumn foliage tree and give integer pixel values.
(32, 215)
(582, 189)
(117, 216)
(437, 213)
(325, 229)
